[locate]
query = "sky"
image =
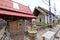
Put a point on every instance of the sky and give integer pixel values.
(42, 3)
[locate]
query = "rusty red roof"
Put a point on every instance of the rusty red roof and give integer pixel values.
(8, 5)
(16, 14)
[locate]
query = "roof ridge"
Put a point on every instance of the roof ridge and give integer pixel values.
(45, 10)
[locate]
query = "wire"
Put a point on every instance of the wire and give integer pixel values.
(45, 2)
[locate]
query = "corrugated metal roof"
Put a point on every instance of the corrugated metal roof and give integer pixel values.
(4, 12)
(42, 10)
(46, 11)
(8, 5)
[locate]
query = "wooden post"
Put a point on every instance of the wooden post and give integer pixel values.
(31, 23)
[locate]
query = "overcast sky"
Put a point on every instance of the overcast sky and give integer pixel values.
(41, 3)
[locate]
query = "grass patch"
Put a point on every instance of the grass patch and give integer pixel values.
(40, 24)
(32, 31)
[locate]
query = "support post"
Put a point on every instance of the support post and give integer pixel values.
(50, 15)
(31, 23)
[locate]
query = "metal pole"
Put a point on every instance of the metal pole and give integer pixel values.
(50, 14)
(49, 6)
